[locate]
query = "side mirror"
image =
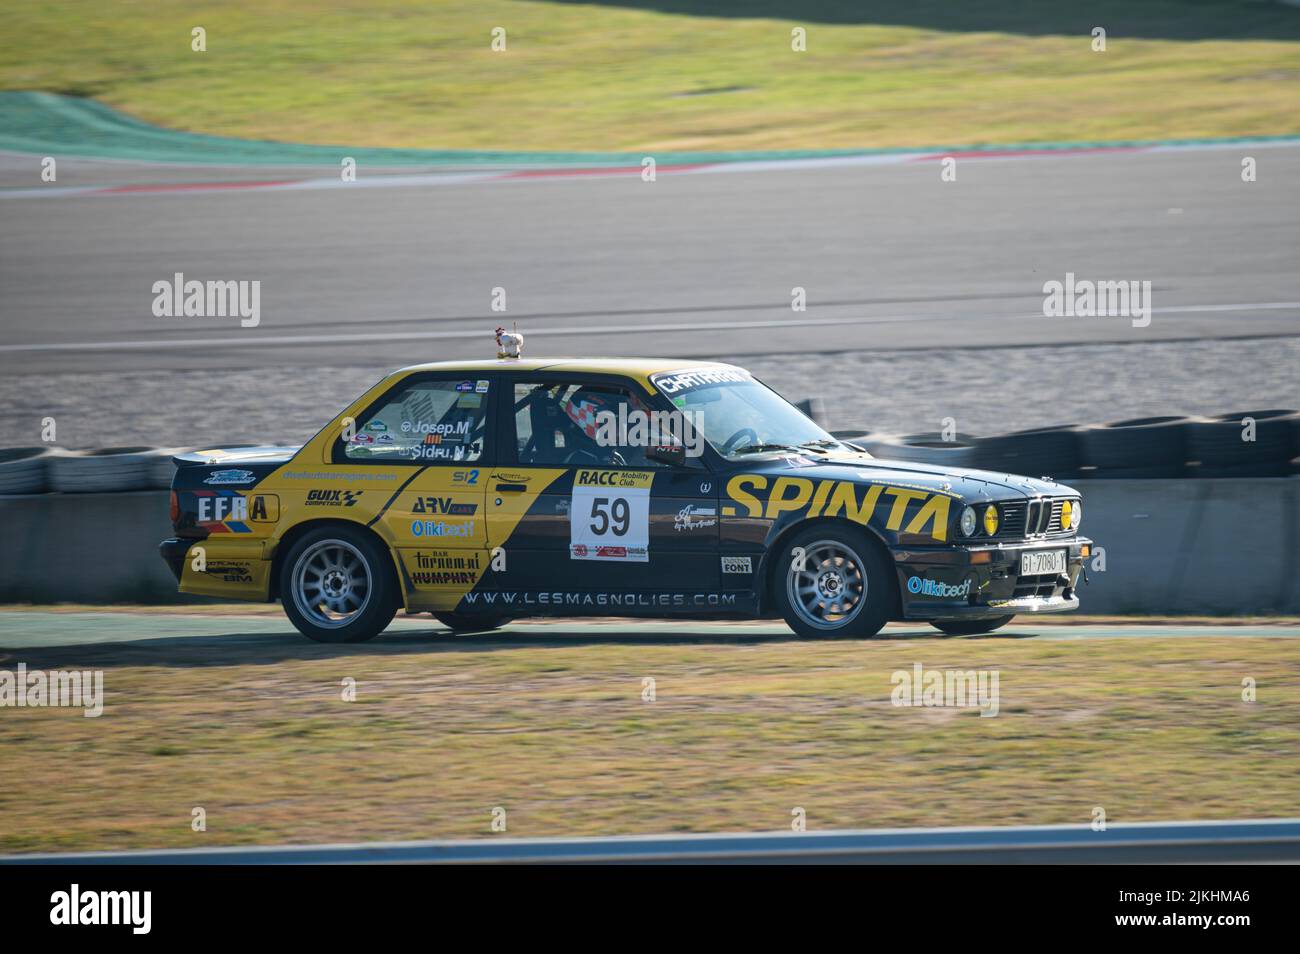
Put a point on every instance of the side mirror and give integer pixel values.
(672, 454)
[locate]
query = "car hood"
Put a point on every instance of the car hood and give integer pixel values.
(970, 483)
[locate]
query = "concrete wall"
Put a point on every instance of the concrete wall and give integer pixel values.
(1171, 546)
(1194, 546)
(85, 548)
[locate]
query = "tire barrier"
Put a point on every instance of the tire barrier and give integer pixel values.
(1217, 446)
(960, 451)
(23, 470)
(1223, 446)
(109, 470)
(1037, 452)
(1144, 447)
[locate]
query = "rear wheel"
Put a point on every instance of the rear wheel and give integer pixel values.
(972, 627)
(469, 622)
(337, 586)
(835, 581)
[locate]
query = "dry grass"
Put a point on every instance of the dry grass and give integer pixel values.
(742, 731)
(607, 77)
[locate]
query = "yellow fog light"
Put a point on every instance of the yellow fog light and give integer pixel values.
(1067, 514)
(991, 520)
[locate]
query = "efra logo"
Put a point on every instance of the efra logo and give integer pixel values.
(222, 511)
(76, 907)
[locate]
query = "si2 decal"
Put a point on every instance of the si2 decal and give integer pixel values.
(833, 498)
(609, 515)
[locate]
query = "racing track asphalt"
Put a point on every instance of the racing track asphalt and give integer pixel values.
(209, 635)
(696, 265)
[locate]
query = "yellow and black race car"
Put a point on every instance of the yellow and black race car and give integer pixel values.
(485, 491)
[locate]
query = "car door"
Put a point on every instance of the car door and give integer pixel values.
(586, 525)
(438, 427)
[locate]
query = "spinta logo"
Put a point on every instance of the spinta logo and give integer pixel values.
(333, 498)
(443, 505)
(908, 510)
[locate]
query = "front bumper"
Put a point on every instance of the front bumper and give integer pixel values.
(984, 582)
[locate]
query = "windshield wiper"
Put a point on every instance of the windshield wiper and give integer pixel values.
(760, 448)
(821, 445)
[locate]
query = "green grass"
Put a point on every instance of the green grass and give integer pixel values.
(610, 77)
(742, 732)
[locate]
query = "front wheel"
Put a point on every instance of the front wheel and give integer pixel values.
(470, 623)
(337, 586)
(972, 627)
(835, 581)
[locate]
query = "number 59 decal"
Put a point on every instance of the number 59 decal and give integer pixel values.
(609, 516)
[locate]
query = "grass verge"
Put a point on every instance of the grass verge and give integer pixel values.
(674, 75)
(443, 731)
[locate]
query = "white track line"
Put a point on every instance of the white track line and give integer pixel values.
(261, 341)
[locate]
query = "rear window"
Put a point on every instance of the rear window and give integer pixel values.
(425, 422)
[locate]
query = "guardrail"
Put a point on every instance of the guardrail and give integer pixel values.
(1265, 840)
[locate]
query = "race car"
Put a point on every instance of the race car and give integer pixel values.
(485, 491)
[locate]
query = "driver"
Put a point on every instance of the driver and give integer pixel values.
(586, 408)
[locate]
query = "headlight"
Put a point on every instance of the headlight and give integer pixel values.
(990, 520)
(1076, 514)
(968, 521)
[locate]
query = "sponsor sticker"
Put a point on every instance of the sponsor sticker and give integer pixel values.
(737, 564)
(443, 505)
(333, 498)
(673, 382)
(440, 528)
(465, 386)
(937, 588)
(229, 477)
(481, 387)
(692, 517)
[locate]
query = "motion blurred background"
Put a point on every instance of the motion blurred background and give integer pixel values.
(924, 297)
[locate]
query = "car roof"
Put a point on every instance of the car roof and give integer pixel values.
(639, 368)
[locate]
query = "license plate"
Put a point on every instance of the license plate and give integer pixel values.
(1037, 562)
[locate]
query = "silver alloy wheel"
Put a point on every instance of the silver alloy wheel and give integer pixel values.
(332, 583)
(831, 588)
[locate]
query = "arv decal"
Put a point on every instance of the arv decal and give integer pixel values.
(834, 498)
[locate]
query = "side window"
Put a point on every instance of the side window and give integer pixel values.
(425, 422)
(577, 424)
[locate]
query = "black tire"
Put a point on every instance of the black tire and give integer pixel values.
(1034, 453)
(469, 622)
(345, 561)
(1216, 443)
(971, 627)
(865, 564)
(1156, 445)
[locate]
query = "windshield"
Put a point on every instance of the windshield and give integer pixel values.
(740, 416)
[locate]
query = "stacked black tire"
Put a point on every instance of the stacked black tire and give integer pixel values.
(1238, 444)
